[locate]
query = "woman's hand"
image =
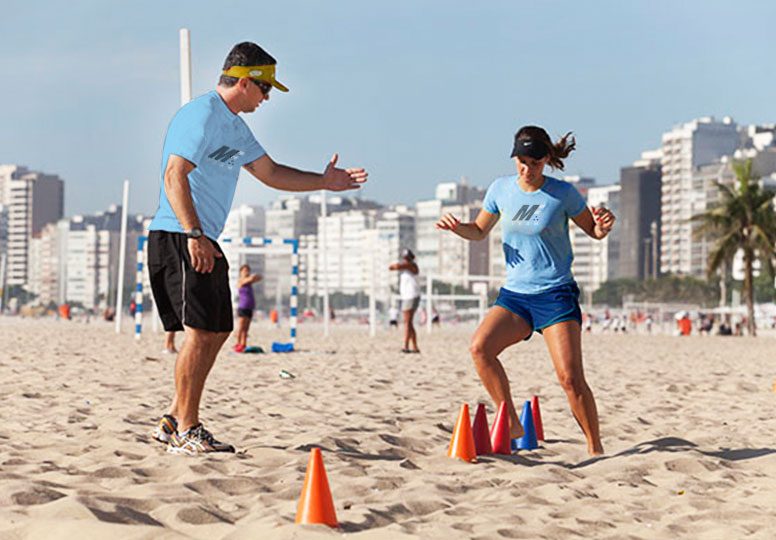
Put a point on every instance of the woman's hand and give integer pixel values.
(448, 222)
(604, 221)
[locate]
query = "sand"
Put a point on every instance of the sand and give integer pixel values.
(688, 425)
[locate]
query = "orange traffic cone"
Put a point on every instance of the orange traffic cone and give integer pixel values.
(315, 504)
(462, 442)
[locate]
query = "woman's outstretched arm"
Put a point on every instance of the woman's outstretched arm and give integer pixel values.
(475, 230)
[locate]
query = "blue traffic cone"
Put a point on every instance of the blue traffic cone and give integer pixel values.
(528, 440)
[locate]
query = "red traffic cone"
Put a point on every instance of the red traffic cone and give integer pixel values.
(480, 430)
(499, 433)
(537, 418)
(462, 442)
(316, 506)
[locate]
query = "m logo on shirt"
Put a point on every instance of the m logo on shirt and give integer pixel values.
(525, 212)
(226, 156)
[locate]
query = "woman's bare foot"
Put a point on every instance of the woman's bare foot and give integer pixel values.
(515, 428)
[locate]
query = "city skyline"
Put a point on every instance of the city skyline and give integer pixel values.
(379, 90)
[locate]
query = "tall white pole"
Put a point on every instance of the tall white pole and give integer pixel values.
(372, 291)
(122, 257)
(429, 307)
(185, 66)
(325, 269)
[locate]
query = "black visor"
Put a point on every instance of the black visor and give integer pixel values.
(529, 147)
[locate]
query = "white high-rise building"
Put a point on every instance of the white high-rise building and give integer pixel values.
(684, 149)
(33, 200)
(429, 239)
(3, 229)
(395, 231)
(308, 268)
(244, 221)
(44, 279)
(289, 217)
(349, 247)
(459, 257)
(427, 213)
(596, 261)
(360, 246)
(88, 260)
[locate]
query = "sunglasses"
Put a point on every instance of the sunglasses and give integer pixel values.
(263, 86)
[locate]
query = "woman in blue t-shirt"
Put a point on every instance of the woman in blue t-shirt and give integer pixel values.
(540, 293)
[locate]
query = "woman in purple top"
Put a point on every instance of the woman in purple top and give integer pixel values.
(245, 305)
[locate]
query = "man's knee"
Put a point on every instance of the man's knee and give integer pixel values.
(205, 337)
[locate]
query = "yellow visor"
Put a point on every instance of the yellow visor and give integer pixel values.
(259, 73)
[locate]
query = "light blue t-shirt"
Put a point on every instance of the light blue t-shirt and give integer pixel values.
(535, 231)
(219, 143)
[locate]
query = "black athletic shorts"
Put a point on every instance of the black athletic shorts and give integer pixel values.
(183, 296)
(245, 312)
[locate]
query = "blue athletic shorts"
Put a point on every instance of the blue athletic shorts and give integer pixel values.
(546, 308)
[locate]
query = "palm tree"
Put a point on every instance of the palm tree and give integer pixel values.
(743, 220)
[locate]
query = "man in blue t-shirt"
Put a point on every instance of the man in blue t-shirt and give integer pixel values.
(207, 144)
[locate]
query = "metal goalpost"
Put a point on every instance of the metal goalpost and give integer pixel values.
(429, 297)
(248, 244)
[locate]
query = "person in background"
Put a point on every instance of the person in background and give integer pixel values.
(245, 305)
(409, 292)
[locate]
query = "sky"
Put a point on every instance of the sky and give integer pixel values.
(417, 91)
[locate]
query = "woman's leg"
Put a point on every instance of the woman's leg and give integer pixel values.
(242, 331)
(564, 342)
(413, 333)
(499, 329)
(407, 315)
(245, 330)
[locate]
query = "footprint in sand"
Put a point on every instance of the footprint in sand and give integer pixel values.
(230, 486)
(689, 466)
(202, 516)
(36, 495)
(124, 515)
(112, 472)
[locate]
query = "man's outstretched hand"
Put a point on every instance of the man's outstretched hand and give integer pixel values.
(335, 179)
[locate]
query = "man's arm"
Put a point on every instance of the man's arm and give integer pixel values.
(178, 191)
(176, 186)
(287, 178)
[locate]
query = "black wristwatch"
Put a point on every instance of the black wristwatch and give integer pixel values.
(195, 233)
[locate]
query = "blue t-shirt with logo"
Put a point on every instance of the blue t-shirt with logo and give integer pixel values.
(219, 142)
(535, 231)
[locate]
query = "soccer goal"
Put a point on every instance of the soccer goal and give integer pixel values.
(248, 244)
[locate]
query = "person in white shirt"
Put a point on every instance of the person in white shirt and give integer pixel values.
(409, 292)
